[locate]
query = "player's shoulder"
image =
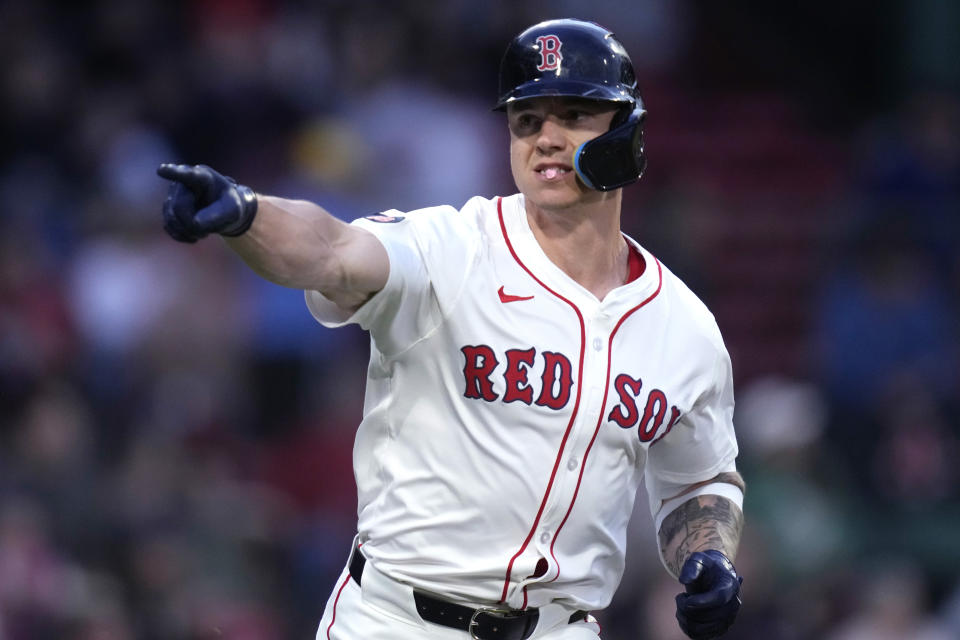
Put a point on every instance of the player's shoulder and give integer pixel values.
(465, 216)
(689, 310)
(476, 205)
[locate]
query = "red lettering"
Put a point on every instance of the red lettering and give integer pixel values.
(479, 365)
(628, 401)
(515, 376)
(549, 53)
(674, 419)
(562, 380)
(652, 415)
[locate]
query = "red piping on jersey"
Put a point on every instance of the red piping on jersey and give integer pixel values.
(335, 602)
(573, 415)
(596, 431)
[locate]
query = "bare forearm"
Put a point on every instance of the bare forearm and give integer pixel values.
(291, 243)
(703, 522)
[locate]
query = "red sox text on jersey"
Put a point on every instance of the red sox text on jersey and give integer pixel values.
(554, 388)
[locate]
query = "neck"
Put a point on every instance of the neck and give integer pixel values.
(584, 241)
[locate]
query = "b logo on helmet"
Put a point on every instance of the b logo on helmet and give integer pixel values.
(549, 53)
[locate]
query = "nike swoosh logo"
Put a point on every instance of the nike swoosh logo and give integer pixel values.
(506, 297)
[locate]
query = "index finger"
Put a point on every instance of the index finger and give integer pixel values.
(180, 172)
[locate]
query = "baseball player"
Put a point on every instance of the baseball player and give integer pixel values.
(529, 365)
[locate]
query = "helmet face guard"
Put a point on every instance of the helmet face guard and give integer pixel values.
(614, 159)
(573, 58)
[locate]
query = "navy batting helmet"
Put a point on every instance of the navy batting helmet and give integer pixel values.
(574, 58)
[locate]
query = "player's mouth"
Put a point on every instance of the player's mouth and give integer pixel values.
(552, 171)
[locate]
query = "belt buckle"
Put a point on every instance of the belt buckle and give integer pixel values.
(503, 613)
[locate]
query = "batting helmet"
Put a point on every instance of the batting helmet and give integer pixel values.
(574, 58)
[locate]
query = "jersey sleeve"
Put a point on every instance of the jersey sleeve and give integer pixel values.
(701, 445)
(430, 252)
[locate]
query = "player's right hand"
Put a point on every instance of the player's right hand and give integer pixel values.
(201, 201)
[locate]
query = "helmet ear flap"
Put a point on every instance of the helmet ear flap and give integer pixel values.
(615, 158)
(621, 115)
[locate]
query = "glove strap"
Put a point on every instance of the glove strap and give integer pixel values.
(248, 211)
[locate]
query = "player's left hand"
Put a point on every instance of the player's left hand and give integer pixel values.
(712, 597)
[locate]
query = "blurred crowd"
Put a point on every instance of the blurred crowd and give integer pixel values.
(176, 434)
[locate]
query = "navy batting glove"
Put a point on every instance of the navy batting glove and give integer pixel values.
(201, 201)
(712, 598)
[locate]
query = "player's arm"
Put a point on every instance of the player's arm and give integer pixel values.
(293, 243)
(298, 244)
(698, 541)
(703, 522)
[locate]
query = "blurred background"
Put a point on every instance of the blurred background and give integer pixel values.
(175, 434)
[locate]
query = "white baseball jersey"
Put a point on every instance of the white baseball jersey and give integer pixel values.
(510, 415)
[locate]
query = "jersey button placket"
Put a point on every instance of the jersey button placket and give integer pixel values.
(595, 365)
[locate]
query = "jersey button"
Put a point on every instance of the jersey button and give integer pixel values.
(545, 537)
(572, 464)
(597, 344)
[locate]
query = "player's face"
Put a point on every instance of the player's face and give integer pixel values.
(544, 133)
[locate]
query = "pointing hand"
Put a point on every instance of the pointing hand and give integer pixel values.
(201, 201)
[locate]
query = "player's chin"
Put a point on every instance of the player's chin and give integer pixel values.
(557, 195)
(552, 202)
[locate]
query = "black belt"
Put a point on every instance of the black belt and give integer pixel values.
(482, 624)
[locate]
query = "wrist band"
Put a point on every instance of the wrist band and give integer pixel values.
(729, 491)
(248, 202)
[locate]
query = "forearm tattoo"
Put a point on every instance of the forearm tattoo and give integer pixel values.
(701, 523)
